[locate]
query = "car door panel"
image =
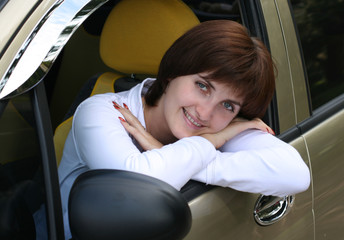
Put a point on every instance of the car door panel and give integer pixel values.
(326, 148)
(228, 214)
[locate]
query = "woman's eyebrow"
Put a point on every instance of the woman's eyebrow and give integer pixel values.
(235, 102)
(206, 79)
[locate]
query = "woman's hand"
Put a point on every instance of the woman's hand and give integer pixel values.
(135, 128)
(235, 127)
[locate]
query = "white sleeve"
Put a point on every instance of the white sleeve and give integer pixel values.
(257, 162)
(102, 142)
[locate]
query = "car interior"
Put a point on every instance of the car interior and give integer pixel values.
(134, 37)
(89, 43)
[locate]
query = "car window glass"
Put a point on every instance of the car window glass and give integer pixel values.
(215, 9)
(321, 28)
(21, 191)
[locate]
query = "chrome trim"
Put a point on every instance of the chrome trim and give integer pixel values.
(41, 48)
(270, 209)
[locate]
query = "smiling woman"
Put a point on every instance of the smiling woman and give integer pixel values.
(184, 124)
(191, 106)
(227, 54)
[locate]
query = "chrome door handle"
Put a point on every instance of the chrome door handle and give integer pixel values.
(270, 209)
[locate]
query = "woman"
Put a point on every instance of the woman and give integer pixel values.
(184, 125)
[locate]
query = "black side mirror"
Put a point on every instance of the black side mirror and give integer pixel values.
(114, 204)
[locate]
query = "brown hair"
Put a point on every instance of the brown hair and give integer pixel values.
(225, 50)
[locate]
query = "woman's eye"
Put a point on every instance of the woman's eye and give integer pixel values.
(202, 86)
(228, 106)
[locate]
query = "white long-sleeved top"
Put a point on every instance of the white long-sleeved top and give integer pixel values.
(253, 161)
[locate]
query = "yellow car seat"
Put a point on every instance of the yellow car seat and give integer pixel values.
(133, 41)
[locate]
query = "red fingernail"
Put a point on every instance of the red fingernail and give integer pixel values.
(122, 119)
(125, 105)
(115, 105)
(271, 131)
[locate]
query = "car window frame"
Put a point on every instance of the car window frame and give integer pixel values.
(51, 180)
(253, 19)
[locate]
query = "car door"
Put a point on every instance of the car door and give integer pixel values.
(306, 41)
(228, 214)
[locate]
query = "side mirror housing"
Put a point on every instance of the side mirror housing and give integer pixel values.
(114, 204)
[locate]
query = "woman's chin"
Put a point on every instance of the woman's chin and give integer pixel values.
(180, 135)
(184, 134)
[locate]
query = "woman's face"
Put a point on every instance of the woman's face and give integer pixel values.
(193, 105)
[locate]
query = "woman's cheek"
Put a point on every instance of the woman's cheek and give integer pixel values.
(221, 123)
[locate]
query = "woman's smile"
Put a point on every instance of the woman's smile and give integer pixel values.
(191, 120)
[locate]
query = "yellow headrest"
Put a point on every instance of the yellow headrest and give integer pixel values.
(137, 33)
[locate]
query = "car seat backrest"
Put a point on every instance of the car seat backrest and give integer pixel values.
(137, 33)
(135, 36)
(105, 83)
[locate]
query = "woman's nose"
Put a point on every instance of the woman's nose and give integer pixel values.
(204, 112)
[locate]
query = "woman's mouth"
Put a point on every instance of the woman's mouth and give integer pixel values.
(191, 120)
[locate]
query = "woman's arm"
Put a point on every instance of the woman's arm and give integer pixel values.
(251, 161)
(236, 126)
(102, 142)
(257, 162)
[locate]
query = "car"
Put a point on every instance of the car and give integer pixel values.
(50, 61)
